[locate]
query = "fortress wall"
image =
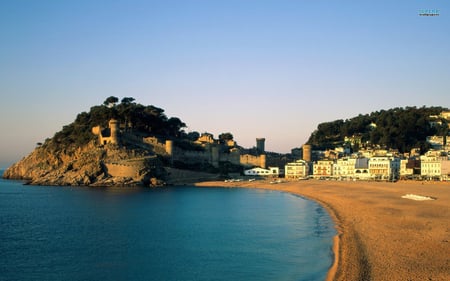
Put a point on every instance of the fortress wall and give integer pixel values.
(233, 158)
(119, 170)
(213, 156)
(158, 147)
(251, 160)
(191, 156)
(129, 168)
(154, 141)
(131, 137)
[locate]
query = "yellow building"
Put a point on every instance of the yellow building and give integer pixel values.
(323, 168)
(296, 170)
(435, 165)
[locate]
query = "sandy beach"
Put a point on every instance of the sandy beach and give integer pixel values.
(381, 236)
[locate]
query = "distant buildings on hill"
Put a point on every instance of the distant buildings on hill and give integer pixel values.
(376, 165)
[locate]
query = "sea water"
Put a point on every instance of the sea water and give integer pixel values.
(175, 233)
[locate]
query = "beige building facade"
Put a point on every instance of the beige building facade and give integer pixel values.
(344, 168)
(323, 168)
(296, 170)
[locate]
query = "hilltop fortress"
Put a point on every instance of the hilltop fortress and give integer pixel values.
(204, 151)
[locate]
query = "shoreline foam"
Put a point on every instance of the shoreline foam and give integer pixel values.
(381, 236)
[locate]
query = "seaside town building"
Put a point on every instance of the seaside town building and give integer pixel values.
(257, 171)
(409, 168)
(435, 165)
(362, 169)
(344, 168)
(384, 168)
(296, 170)
(323, 169)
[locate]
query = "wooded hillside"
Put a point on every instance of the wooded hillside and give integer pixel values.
(398, 128)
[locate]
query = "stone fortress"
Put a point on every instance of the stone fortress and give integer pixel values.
(212, 152)
(108, 135)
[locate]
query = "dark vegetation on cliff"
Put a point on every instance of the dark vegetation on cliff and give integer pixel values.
(398, 128)
(145, 120)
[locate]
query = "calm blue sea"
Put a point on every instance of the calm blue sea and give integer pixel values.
(178, 233)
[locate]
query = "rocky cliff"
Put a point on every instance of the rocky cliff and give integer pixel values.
(88, 165)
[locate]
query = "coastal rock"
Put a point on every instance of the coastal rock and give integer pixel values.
(90, 165)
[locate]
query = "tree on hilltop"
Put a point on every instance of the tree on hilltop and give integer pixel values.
(127, 100)
(225, 137)
(111, 101)
(145, 120)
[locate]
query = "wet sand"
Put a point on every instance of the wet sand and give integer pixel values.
(381, 236)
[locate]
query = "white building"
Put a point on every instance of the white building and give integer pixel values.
(344, 168)
(272, 171)
(296, 170)
(384, 168)
(435, 165)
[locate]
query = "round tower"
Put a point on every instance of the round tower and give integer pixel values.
(260, 143)
(169, 147)
(114, 128)
(262, 161)
(169, 150)
(307, 152)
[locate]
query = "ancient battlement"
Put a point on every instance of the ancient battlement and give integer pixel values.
(108, 135)
(131, 168)
(213, 152)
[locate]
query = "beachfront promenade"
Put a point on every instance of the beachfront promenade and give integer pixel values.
(382, 236)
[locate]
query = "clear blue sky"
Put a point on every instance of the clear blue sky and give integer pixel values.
(272, 69)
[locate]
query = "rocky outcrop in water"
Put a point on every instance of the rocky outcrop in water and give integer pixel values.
(90, 165)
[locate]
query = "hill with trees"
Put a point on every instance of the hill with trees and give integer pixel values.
(397, 128)
(74, 155)
(145, 120)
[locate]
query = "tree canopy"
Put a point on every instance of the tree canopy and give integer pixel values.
(147, 120)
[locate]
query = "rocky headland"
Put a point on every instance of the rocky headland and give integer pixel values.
(89, 165)
(125, 144)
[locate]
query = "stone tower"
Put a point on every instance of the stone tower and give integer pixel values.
(262, 161)
(307, 152)
(260, 145)
(114, 127)
(169, 150)
(169, 147)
